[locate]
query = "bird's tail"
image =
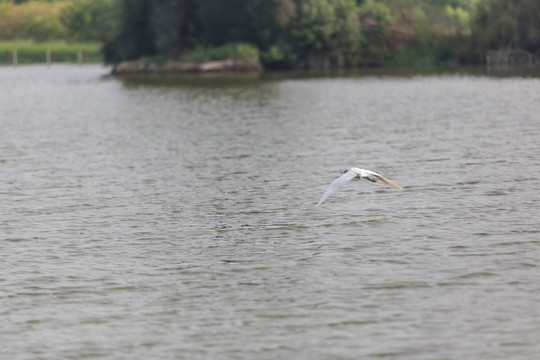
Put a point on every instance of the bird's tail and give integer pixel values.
(389, 182)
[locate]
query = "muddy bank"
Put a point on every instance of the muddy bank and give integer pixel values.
(228, 65)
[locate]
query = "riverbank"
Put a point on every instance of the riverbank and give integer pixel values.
(177, 66)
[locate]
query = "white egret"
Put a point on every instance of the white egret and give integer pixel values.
(357, 173)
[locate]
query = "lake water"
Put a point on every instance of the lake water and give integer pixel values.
(175, 218)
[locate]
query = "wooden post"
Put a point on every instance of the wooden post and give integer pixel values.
(48, 57)
(79, 57)
(15, 59)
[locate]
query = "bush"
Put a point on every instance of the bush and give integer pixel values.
(425, 55)
(237, 51)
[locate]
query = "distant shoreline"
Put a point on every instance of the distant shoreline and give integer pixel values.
(21, 52)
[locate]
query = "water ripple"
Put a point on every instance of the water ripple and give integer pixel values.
(177, 218)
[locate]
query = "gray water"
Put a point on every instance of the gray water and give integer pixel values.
(175, 218)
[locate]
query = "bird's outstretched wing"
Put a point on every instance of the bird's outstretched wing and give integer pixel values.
(347, 176)
(383, 179)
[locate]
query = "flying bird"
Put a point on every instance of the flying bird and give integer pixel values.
(353, 173)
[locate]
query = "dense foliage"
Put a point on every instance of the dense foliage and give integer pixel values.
(33, 20)
(309, 33)
(94, 20)
(285, 33)
(503, 23)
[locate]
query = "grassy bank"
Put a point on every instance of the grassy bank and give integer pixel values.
(29, 52)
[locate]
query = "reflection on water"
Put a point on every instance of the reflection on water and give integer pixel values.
(152, 217)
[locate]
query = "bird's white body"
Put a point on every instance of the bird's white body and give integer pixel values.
(353, 173)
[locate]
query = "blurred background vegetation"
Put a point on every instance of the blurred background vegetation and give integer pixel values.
(282, 33)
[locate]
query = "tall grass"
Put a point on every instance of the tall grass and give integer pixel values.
(29, 52)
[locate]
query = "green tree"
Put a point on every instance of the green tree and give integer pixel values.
(323, 25)
(500, 23)
(91, 20)
(256, 21)
(32, 20)
(43, 28)
(175, 25)
(135, 37)
(376, 26)
(459, 19)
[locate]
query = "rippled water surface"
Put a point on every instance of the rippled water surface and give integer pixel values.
(175, 218)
